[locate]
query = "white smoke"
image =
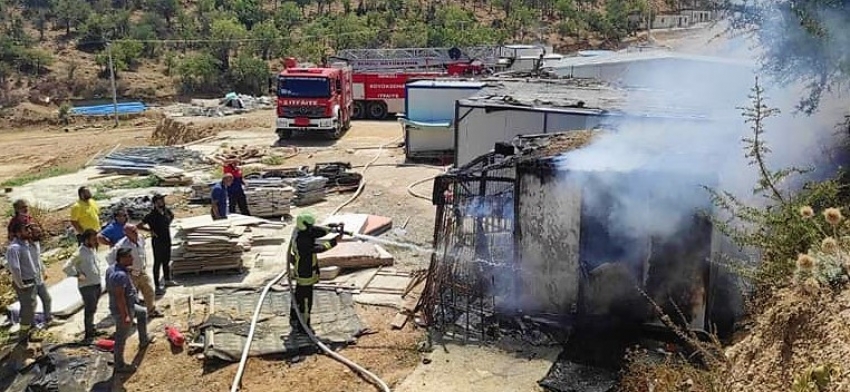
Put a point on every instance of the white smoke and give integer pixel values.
(665, 162)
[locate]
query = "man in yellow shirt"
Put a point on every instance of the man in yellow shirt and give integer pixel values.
(85, 214)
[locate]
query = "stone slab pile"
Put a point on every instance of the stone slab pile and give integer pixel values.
(268, 201)
(213, 247)
(309, 190)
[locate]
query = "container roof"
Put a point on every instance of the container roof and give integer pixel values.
(627, 56)
(581, 95)
(445, 83)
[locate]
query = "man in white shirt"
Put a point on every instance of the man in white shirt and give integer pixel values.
(136, 244)
(20, 265)
(40, 274)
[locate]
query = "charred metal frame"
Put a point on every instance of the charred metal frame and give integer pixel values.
(473, 239)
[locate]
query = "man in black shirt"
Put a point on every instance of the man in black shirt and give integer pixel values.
(158, 221)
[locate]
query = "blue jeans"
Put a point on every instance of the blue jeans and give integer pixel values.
(122, 332)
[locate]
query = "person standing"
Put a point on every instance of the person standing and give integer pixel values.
(219, 197)
(85, 214)
(21, 215)
(123, 308)
(302, 255)
(158, 221)
(136, 245)
(236, 190)
(40, 274)
(22, 270)
(114, 231)
(86, 267)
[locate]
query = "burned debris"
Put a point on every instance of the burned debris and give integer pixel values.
(526, 243)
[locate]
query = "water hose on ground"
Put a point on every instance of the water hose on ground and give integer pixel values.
(422, 181)
(363, 182)
(244, 359)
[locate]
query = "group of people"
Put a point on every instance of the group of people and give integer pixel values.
(124, 278)
(126, 274)
(229, 193)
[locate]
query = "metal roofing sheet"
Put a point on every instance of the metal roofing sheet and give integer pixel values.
(584, 95)
(635, 56)
(445, 83)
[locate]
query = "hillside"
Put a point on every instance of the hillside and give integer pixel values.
(53, 50)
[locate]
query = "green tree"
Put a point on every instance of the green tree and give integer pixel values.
(268, 40)
(288, 16)
(249, 12)
(165, 8)
(802, 40)
(71, 13)
(199, 72)
(125, 56)
(410, 35)
(226, 33)
(249, 74)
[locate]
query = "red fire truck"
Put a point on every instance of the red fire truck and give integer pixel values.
(313, 99)
(370, 83)
(379, 75)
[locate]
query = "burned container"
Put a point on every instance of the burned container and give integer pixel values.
(528, 235)
(611, 244)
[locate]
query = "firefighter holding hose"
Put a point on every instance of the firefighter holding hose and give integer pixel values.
(303, 248)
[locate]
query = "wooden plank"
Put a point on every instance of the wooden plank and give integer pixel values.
(399, 321)
(370, 278)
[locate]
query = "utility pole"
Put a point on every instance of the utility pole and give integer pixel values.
(112, 81)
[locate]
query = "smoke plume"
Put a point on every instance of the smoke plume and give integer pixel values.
(643, 180)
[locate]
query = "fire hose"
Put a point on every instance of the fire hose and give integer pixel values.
(244, 359)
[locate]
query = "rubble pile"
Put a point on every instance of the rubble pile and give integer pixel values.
(244, 153)
(230, 104)
(170, 132)
(137, 208)
(268, 202)
(210, 248)
(309, 190)
(150, 160)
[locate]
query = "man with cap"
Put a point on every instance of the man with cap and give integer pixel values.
(158, 221)
(236, 190)
(138, 275)
(219, 197)
(303, 248)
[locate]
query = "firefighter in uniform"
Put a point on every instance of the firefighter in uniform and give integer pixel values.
(303, 248)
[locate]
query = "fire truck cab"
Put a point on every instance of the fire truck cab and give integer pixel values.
(313, 99)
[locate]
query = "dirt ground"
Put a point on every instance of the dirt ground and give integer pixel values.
(391, 354)
(388, 353)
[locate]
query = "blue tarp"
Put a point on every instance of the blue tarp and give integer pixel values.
(108, 109)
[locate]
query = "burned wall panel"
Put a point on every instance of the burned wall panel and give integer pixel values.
(548, 219)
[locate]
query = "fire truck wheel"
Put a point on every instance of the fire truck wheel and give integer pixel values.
(337, 132)
(359, 110)
(284, 134)
(377, 110)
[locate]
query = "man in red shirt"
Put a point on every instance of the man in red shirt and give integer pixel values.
(22, 216)
(236, 190)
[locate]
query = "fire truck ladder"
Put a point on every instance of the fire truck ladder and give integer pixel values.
(360, 59)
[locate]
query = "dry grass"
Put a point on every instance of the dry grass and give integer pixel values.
(800, 338)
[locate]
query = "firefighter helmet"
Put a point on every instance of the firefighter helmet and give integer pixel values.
(304, 219)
